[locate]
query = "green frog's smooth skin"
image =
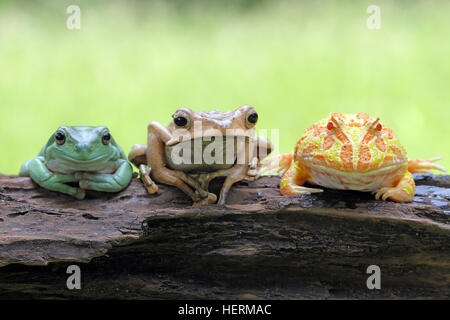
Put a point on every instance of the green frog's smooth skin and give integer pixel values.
(84, 156)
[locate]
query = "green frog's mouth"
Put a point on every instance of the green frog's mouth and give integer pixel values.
(79, 161)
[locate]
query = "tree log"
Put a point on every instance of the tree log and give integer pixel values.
(133, 245)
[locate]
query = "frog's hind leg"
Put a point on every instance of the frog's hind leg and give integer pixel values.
(108, 182)
(276, 165)
(24, 171)
(293, 179)
(183, 182)
(424, 165)
(138, 154)
(402, 192)
(263, 147)
(39, 173)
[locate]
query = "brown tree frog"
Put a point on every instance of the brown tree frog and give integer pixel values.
(197, 147)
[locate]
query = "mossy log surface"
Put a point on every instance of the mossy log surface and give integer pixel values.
(132, 245)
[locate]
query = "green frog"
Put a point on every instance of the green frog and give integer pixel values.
(80, 158)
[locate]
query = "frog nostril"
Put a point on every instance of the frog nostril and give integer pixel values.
(84, 148)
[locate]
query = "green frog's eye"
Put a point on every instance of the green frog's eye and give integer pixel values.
(60, 137)
(106, 138)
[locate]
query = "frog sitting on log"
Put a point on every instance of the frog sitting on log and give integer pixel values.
(197, 147)
(79, 158)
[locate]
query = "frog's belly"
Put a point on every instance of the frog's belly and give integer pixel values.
(361, 181)
(203, 155)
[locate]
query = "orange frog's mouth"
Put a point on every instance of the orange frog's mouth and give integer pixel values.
(325, 166)
(369, 180)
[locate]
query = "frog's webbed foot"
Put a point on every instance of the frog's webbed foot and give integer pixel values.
(180, 180)
(149, 184)
(402, 192)
(297, 190)
(211, 198)
(80, 194)
(253, 172)
(424, 165)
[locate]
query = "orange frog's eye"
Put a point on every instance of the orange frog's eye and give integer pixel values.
(330, 126)
(379, 127)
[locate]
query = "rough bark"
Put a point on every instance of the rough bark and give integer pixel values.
(260, 245)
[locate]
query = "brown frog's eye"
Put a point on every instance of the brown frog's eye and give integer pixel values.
(60, 137)
(180, 121)
(379, 127)
(106, 138)
(253, 118)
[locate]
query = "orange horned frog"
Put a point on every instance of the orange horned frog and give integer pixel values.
(349, 152)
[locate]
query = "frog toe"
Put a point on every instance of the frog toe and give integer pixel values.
(395, 194)
(211, 198)
(80, 194)
(84, 184)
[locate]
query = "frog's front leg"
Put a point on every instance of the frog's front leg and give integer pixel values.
(158, 138)
(402, 192)
(235, 174)
(293, 179)
(37, 170)
(107, 182)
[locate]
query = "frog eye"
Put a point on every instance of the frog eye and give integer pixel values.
(251, 119)
(330, 125)
(60, 137)
(106, 138)
(182, 119)
(379, 127)
(375, 125)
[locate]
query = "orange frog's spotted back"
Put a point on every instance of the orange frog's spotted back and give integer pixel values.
(353, 152)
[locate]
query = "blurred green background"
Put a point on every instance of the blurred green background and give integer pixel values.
(133, 62)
